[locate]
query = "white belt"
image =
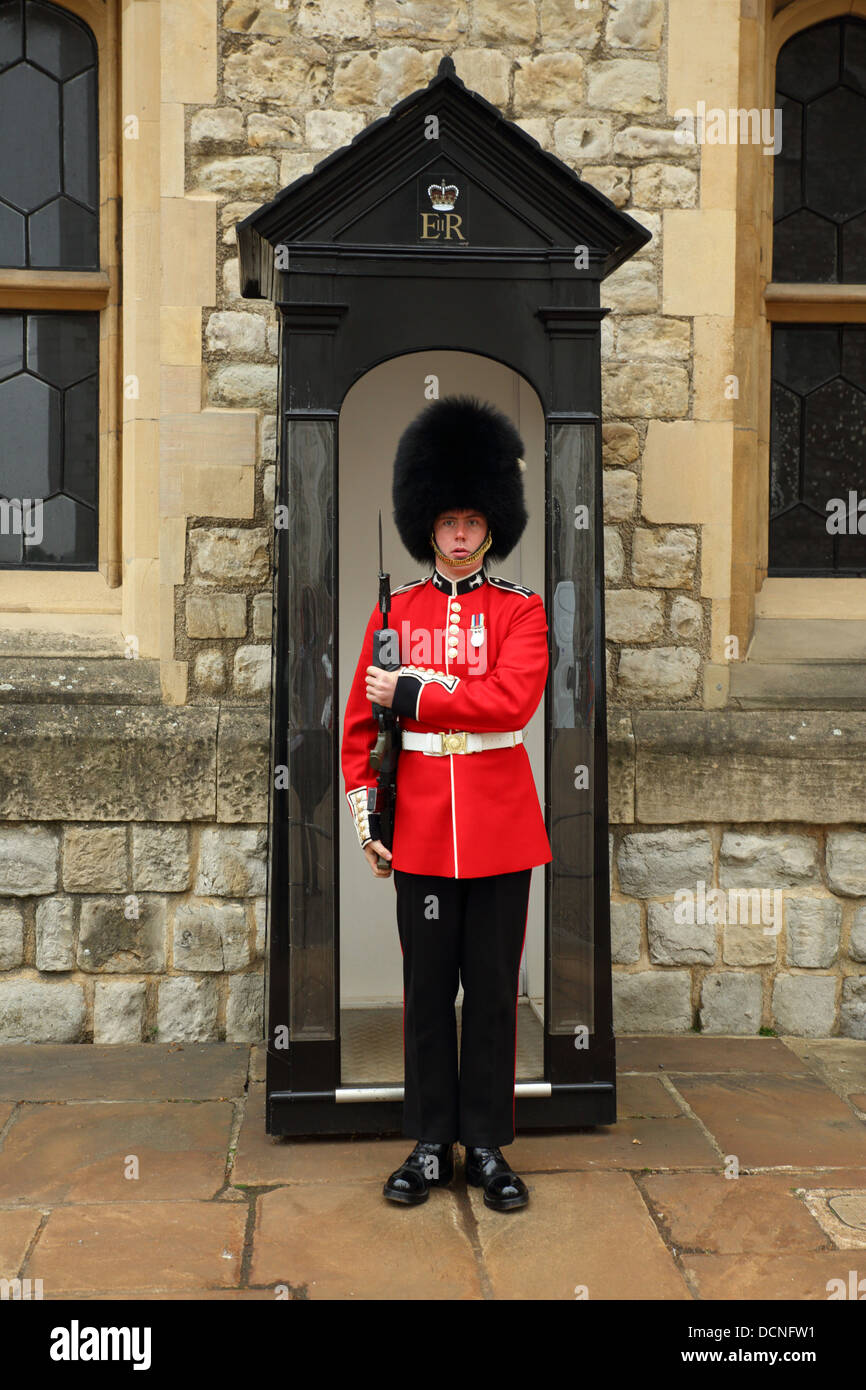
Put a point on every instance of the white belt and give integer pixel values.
(438, 744)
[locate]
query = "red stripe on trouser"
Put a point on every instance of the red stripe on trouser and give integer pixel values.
(516, 1003)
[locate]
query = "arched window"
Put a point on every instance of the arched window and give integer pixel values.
(818, 413)
(49, 222)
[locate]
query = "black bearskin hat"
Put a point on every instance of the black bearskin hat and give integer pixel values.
(459, 452)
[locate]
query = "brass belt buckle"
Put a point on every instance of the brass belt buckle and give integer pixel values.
(454, 743)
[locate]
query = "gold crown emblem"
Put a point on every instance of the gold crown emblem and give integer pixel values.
(443, 195)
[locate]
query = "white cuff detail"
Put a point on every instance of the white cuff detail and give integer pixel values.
(357, 799)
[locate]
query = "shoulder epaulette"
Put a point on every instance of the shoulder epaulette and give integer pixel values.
(412, 584)
(509, 584)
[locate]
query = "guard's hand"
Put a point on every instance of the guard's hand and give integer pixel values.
(381, 686)
(373, 848)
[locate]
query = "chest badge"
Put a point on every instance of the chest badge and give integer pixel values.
(477, 630)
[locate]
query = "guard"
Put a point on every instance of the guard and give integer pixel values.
(468, 826)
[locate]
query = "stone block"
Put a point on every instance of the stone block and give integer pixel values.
(852, 1013)
(96, 763)
(633, 615)
(846, 862)
(111, 941)
(625, 933)
(34, 1011)
(245, 1009)
(730, 1002)
(228, 330)
(652, 1001)
(95, 859)
(55, 934)
(748, 944)
(804, 1005)
(660, 185)
(229, 555)
(635, 24)
(118, 1011)
(210, 672)
(624, 84)
(220, 124)
(655, 864)
(678, 943)
(857, 944)
(620, 494)
(243, 765)
(611, 180)
(548, 82)
(232, 863)
(252, 671)
(210, 936)
(665, 557)
(216, 615)
(263, 613)
(750, 766)
(813, 928)
(614, 557)
(260, 915)
(767, 861)
(687, 619)
(11, 936)
(643, 387)
(28, 855)
(620, 767)
(187, 1010)
(269, 72)
(161, 858)
(659, 673)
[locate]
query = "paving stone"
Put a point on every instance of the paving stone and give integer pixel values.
(321, 1237)
(744, 1278)
(141, 1245)
(177, 1296)
(578, 1220)
(644, 1095)
(17, 1229)
(142, 1071)
(841, 1062)
(259, 1062)
(81, 1152)
(263, 1158)
(695, 1053)
(661, 1143)
(776, 1120)
(751, 1214)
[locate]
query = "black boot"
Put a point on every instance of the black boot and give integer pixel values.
(428, 1165)
(503, 1189)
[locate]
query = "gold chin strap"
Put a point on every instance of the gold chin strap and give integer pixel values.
(466, 559)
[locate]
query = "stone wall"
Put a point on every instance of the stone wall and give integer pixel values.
(132, 831)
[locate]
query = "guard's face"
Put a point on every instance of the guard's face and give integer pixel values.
(459, 532)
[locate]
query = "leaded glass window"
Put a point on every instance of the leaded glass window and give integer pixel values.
(819, 213)
(48, 109)
(49, 359)
(818, 406)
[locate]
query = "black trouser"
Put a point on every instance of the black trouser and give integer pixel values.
(453, 929)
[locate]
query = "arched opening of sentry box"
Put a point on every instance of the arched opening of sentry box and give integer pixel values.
(374, 413)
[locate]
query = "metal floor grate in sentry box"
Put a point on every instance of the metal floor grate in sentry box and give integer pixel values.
(372, 1045)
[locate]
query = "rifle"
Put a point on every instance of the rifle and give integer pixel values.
(381, 799)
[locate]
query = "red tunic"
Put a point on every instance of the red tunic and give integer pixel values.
(459, 815)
